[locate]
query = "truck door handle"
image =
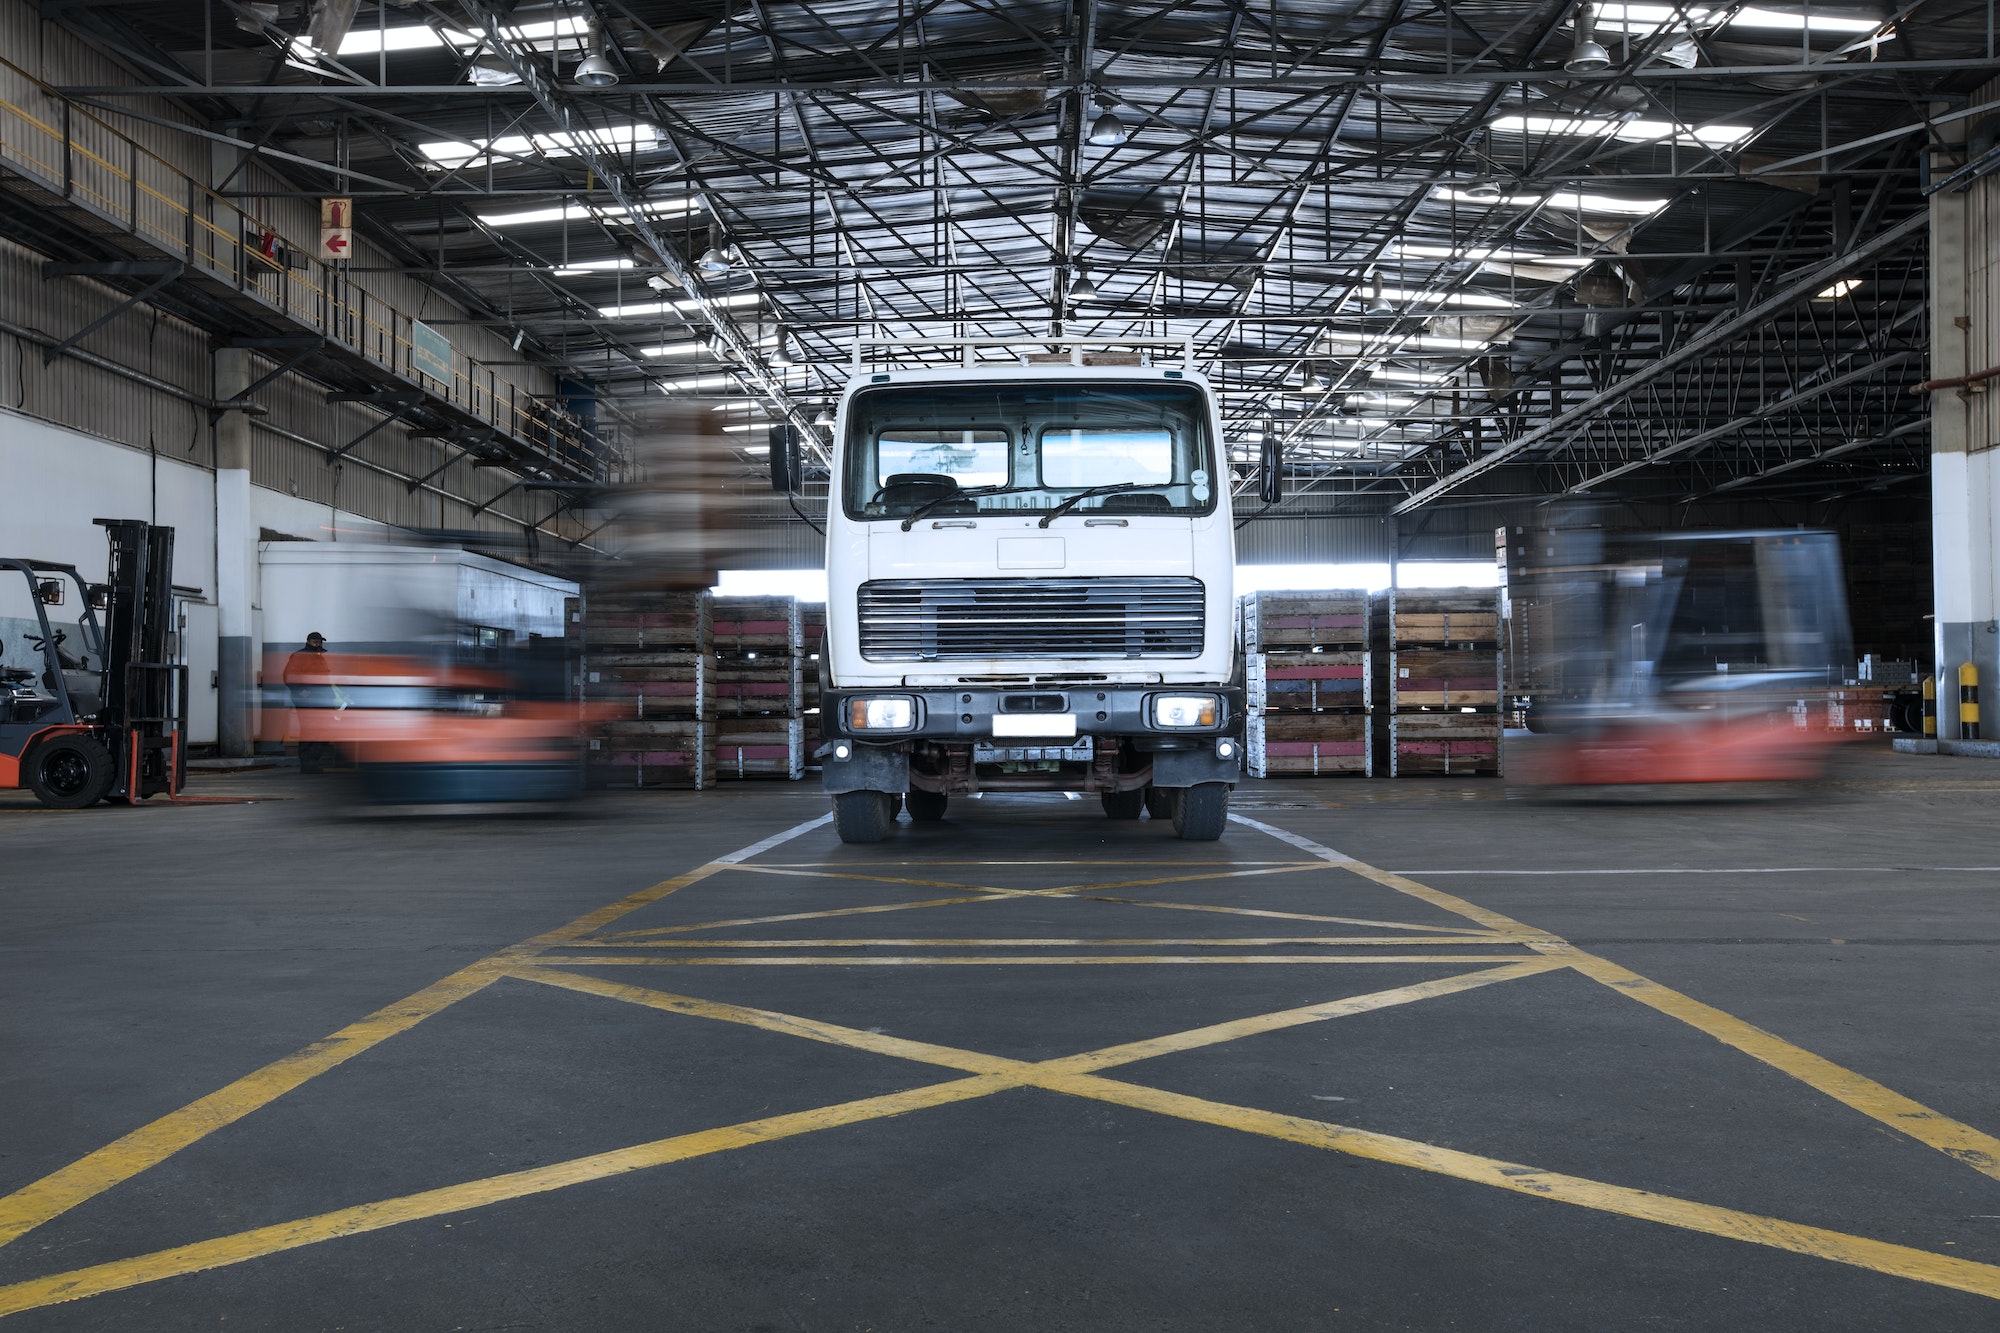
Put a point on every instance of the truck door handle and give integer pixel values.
(1106, 523)
(955, 523)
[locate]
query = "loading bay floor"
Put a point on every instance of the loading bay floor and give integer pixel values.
(1406, 1055)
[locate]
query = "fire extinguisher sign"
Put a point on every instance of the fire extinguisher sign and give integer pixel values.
(336, 229)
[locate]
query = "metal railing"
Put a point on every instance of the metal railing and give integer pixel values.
(74, 153)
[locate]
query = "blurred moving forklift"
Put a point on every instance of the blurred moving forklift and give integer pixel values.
(1691, 657)
(104, 719)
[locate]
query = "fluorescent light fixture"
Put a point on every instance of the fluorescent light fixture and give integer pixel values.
(1630, 131)
(1416, 296)
(1644, 20)
(1838, 290)
(1793, 22)
(1422, 343)
(569, 212)
(1397, 375)
(1571, 201)
(584, 267)
(477, 152)
(733, 301)
(742, 428)
(700, 383)
(1490, 254)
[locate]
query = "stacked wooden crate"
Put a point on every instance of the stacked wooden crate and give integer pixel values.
(1309, 683)
(759, 701)
(1437, 682)
(812, 633)
(645, 669)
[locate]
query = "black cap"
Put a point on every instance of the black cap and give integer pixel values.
(315, 635)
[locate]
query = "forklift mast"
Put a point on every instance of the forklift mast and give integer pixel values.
(139, 689)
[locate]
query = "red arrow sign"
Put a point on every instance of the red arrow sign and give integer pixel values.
(336, 243)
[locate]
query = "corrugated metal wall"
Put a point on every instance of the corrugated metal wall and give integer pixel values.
(1980, 338)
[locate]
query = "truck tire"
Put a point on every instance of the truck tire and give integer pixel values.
(925, 807)
(1122, 804)
(1159, 803)
(70, 772)
(863, 816)
(1201, 812)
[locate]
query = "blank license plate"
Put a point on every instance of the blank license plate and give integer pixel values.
(1034, 724)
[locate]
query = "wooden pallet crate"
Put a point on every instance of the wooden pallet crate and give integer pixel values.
(656, 621)
(1295, 682)
(1440, 743)
(747, 686)
(650, 684)
(653, 752)
(812, 627)
(1304, 620)
(755, 624)
(814, 738)
(1435, 618)
(760, 747)
(1310, 745)
(1416, 678)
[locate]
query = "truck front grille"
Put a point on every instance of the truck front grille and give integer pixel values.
(917, 620)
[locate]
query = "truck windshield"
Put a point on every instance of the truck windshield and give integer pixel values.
(1028, 447)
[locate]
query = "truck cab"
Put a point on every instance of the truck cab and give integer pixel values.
(1030, 588)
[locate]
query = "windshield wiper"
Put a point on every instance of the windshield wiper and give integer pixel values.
(974, 493)
(1081, 496)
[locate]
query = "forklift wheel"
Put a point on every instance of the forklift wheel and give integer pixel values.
(70, 772)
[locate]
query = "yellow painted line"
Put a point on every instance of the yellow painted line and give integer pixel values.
(1469, 933)
(1055, 1075)
(203, 1255)
(1236, 1029)
(1283, 868)
(1016, 960)
(1977, 1150)
(834, 1034)
(1879, 1256)
(147, 1146)
(152, 1143)
(806, 865)
(874, 879)
(791, 916)
(919, 942)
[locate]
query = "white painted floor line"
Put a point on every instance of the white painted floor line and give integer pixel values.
(756, 848)
(1729, 870)
(1323, 852)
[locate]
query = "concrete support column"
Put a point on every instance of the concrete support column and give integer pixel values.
(235, 563)
(1965, 463)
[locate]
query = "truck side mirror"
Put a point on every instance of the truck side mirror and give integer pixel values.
(1271, 480)
(49, 592)
(97, 596)
(784, 459)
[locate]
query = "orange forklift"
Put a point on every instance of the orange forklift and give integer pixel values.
(106, 718)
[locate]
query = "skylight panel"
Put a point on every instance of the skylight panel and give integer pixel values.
(1627, 131)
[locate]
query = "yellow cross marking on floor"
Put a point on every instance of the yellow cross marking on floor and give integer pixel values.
(547, 959)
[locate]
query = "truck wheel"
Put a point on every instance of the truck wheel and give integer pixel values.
(1159, 803)
(1122, 804)
(1201, 811)
(925, 807)
(863, 816)
(71, 772)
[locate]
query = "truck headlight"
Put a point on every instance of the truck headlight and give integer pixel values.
(894, 713)
(1184, 710)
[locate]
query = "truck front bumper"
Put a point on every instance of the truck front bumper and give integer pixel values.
(996, 722)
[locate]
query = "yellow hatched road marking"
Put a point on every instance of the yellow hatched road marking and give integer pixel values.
(1211, 942)
(997, 960)
(152, 1143)
(992, 1074)
(1469, 932)
(1957, 1140)
(791, 916)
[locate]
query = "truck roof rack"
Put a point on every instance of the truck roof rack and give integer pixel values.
(1076, 349)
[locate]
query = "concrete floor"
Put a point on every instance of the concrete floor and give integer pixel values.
(874, 1119)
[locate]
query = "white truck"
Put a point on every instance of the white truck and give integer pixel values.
(1030, 588)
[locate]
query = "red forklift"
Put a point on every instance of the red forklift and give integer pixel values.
(104, 718)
